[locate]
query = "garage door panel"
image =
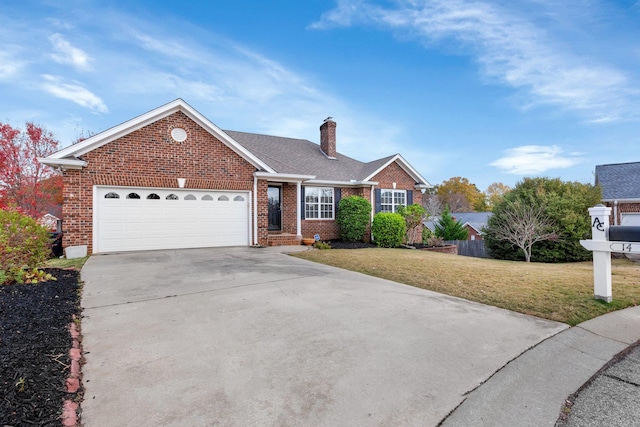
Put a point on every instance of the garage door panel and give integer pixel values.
(139, 224)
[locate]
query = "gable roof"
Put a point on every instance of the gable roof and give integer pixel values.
(69, 157)
(298, 159)
(619, 181)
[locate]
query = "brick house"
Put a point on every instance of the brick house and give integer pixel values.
(170, 178)
(620, 184)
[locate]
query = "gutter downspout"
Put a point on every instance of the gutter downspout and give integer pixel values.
(298, 215)
(255, 210)
(615, 212)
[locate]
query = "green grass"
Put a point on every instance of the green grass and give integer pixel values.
(561, 292)
(74, 264)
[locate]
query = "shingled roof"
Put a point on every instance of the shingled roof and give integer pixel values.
(619, 181)
(300, 156)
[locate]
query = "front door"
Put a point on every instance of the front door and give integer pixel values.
(275, 208)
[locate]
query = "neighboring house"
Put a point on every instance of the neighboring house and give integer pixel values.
(52, 219)
(473, 222)
(170, 178)
(620, 185)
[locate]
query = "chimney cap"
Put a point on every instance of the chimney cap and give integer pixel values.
(328, 119)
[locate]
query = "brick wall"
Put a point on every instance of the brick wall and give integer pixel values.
(148, 157)
(394, 173)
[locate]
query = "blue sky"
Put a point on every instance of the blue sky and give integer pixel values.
(489, 90)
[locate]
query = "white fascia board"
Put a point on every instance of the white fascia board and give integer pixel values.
(404, 165)
(283, 177)
(621, 200)
(342, 183)
(145, 119)
(62, 163)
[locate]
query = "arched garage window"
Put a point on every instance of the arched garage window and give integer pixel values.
(153, 196)
(238, 199)
(207, 197)
(172, 197)
(112, 195)
(190, 197)
(133, 196)
(223, 199)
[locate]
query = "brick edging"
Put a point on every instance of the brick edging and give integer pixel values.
(70, 407)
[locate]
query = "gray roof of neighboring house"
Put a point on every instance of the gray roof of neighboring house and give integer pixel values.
(477, 220)
(619, 181)
(300, 156)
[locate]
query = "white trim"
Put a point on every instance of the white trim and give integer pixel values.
(404, 165)
(94, 221)
(255, 211)
(152, 116)
(321, 182)
(282, 177)
(621, 200)
(62, 163)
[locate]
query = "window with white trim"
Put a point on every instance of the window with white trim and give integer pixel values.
(391, 199)
(318, 202)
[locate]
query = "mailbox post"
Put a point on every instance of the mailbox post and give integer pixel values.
(601, 255)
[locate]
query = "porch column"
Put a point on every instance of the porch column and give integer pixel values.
(298, 215)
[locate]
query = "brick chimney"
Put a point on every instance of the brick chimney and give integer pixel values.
(328, 138)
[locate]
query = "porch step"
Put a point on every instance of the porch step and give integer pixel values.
(283, 239)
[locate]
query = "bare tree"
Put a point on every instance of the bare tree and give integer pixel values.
(457, 202)
(432, 206)
(523, 225)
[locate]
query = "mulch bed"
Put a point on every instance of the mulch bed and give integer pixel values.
(339, 244)
(34, 349)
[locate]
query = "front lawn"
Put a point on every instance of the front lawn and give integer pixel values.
(561, 292)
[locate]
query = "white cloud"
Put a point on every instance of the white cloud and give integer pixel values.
(10, 66)
(535, 159)
(510, 48)
(74, 92)
(65, 53)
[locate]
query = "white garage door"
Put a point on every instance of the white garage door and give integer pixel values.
(133, 219)
(630, 219)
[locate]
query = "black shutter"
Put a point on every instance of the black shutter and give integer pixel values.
(378, 194)
(301, 202)
(337, 195)
(409, 197)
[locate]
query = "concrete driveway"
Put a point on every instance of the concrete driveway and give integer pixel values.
(244, 336)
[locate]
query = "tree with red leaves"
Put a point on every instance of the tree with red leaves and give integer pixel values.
(25, 183)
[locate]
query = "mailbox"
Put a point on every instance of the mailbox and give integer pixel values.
(624, 233)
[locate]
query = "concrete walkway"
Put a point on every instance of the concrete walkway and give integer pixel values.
(532, 389)
(247, 336)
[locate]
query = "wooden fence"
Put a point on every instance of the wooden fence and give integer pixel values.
(473, 248)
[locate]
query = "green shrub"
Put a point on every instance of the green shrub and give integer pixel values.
(354, 213)
(450, 229)
(388, 229)
(413, 215)
(24, 244)
(321, 245)
(565, 204)
(426, 234)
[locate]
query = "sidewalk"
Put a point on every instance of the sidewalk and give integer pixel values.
(532, 389)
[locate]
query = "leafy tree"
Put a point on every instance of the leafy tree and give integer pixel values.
(449, 229)
(413, 215)
(495, 192)
(388, 229)
(25, 183)
(565, 206)
(461, 195)
(354, 213)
